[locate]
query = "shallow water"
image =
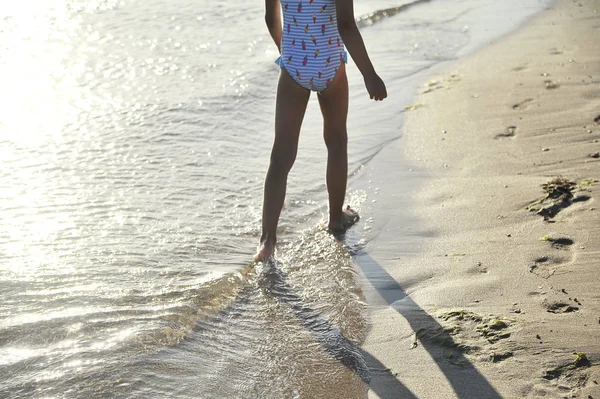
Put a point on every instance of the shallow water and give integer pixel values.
(134, 137)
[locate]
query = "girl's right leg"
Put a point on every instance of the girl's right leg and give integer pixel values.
(290, 108)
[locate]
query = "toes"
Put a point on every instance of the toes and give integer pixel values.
(351, 215)
(350, 210)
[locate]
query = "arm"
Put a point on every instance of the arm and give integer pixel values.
(356, 47)
(273, 20)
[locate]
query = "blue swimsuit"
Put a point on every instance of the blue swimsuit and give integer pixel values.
(311, 47)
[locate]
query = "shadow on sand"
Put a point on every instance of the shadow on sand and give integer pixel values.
(465, 380)
(463, 377)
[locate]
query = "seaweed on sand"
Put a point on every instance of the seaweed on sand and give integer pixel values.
(580, 360)
(558, 195)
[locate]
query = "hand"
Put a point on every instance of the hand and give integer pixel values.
(375, 87)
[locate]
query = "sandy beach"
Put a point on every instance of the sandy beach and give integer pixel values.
(496, 295)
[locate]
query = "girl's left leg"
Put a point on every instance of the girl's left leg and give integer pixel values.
(334, 107)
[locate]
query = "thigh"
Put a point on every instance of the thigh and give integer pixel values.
(290, 108)
(334, 103)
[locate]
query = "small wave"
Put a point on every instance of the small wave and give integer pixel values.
(376, 16)
(263, 331)
(196, 306)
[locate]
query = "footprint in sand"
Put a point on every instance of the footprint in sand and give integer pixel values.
(511, 131)
(523, 104)
(561, 303)
(559, 195)
(559, 307)
(551, 85)
(569, 370)
(467, 333)
(561, 243)
(545, 267)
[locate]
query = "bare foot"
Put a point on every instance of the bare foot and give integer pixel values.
(349, 217)
(265, 251)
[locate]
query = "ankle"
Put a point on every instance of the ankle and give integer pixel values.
(266, 239)
(336, 217)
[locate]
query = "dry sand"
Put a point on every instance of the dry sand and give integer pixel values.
(496, 300)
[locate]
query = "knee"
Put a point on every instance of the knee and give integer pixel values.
(336, 140)
(281, 163)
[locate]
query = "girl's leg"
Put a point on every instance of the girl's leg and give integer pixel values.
(334, 107)
(289, 112)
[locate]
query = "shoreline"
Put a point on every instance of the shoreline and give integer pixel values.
(485, 298)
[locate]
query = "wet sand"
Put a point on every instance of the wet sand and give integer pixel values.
(497, 294)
